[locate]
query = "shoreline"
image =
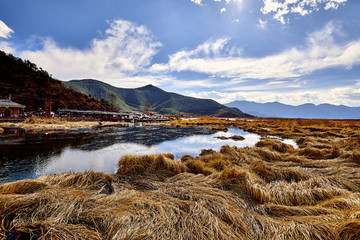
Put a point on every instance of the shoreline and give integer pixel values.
(58, 125)
(38, 124)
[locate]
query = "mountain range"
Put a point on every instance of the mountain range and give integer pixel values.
(153, 99)
(309, 110)
(32, 86)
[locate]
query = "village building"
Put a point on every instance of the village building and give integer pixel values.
(9, 108)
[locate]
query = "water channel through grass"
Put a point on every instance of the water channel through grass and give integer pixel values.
(99, 150)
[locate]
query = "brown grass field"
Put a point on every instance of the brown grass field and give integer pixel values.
(269, 191)
(42, 124)
(35, 122)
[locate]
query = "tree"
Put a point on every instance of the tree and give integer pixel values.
(147, 107)
(112, 99)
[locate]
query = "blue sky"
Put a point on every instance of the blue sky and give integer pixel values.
(291, 51)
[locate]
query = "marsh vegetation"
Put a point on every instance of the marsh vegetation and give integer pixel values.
(269, 191)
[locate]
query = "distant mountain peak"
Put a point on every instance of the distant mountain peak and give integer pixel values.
(154, 98)
(149, 86)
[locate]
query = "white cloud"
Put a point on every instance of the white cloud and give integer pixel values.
(5, 31)
(6, 47)
(197, 1)
(222, 10)
(282, 8)
(124, 52)
(334, 4)
(347, 95)
(215, 58)
(262, 24)
(203, 83)
(300, 10)
(269, 86)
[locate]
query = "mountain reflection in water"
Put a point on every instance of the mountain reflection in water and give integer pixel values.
(100, 150)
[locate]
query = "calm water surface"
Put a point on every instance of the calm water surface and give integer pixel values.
(100, 150)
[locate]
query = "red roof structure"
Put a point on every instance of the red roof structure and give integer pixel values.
(9, 108)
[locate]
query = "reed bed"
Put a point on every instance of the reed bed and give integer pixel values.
(269, 191)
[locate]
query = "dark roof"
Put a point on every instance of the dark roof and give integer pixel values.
(9, 103)
(88, 112)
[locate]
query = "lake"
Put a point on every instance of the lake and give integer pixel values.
(30, 156)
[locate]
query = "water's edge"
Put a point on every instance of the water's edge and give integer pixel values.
(30, 156)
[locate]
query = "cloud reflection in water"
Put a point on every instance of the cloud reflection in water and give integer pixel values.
(105, 159)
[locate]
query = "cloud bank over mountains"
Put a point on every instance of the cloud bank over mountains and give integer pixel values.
(124, 51)
(126, 55)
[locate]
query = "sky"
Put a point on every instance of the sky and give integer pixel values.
(289, 51)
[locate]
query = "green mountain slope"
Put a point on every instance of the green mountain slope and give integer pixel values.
(152, 98)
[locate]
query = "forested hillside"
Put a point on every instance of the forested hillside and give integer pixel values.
(33, 86)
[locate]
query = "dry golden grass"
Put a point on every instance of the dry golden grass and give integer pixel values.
(269, 191)
(36, 124)
(22, 187)
(42, 120)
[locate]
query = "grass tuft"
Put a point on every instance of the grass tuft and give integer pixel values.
(350, 230)
(157, 164)
(312, 153)
(230, 173)
(198, 167)
(22, 187)
(275, 145)
(187, 157)
(41, 230)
